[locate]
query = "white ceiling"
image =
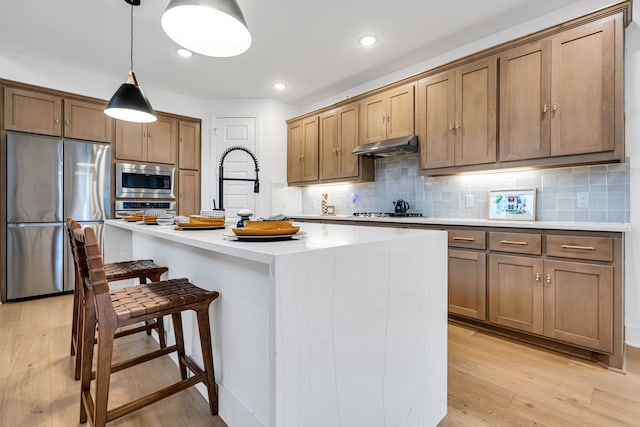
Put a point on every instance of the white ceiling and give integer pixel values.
(312, 46)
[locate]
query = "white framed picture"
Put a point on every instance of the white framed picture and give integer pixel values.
(514, 204)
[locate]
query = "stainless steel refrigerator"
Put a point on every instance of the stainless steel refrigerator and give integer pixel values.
(48, 180)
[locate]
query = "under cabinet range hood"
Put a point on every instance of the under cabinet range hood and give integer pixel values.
(389, 147)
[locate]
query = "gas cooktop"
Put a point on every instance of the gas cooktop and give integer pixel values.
(388, 214)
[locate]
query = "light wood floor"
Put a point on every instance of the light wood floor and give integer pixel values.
(492, 381)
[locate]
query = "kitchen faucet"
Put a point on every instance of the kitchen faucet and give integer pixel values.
(222, 179)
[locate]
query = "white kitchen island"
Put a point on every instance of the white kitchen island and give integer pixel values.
(344, 327)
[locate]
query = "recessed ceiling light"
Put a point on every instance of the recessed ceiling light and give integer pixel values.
(368, 41)
(279, 86)
(184, 52)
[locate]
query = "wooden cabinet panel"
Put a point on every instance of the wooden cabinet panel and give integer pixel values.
(476, 109)
(329, 166)
(147, 142)
(162, 137)
(436, 109)
(578, 303)
(130, 141)
(400, 111)
(467, 283)
(583, 89)
(374, 115)
(188, 192)
(302, 151)
(471, 239)
(189, 145)
(521, 243)
(525, 112)
(33, 112)
(349, 138)
(516, 292)
(87, 121)
(580, 247)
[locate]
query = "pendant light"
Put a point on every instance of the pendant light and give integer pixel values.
(208, 27)
(129, 102)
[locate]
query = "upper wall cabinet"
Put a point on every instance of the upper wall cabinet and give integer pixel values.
(189, 145)
(558, 95)
(302, 151)
(42, 113)
(457, 111)
(153, 142)
(339, 135)
(388, 115)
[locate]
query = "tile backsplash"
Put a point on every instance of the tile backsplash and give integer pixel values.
(597, 193)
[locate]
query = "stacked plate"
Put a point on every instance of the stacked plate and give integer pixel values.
(266, 230)
(134, 217)
(199, 222)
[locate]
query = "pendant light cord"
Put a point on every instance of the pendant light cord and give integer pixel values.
(131, 47)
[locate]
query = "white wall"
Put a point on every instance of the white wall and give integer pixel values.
(271, 145)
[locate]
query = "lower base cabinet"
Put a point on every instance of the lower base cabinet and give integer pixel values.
(467, 283)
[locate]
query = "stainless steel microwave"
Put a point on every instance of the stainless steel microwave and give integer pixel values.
(138, 181)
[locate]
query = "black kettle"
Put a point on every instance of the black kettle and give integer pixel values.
(400, 206)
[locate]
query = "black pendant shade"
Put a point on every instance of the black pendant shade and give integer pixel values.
(130, 104)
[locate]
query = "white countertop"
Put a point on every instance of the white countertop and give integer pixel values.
(317, 236)
(553, 225)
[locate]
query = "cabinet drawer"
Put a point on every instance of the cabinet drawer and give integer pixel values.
(467, 239)
(519, 243)
(580, 247)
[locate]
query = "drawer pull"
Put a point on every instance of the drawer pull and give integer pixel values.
(511, 242)
(466, 239)
(582, 248)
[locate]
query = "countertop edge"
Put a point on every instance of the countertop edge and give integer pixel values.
(473, 222)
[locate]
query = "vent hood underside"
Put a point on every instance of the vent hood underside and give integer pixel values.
(389, 147)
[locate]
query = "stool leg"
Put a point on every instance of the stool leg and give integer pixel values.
(87, 337)
(143, 280)
(103, 372)
(79, 331)
(204, 328)
(177, 330)
(161, 335)
(74, 320)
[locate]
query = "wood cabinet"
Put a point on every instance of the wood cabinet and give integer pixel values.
(33, 112)
(302, 151)
(467, 281)
(457, 111)
(147, 142)
(390, 114)
(87, 121)
(189, 145)
(338, 136)
(571, 301)
(188, 192)
(557, 96)
(46, 114)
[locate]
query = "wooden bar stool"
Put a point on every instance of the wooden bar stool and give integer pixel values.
(142, 270)
(112, 309)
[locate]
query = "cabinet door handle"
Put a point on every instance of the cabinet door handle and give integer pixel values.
(458, 126)
(67, 122)
(149, 134)
(56, 120)
(511, 242)
(383, 118)
(388, 118)
(582, 248)
(538, 277)
(548, 278)
(555, 107)
(544, 108)
(450, 126)
(466, 239)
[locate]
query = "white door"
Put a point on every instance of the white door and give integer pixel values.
(229, 132)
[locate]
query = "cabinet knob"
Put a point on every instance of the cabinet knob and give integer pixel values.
(149, 134)
(545, 108)
(56, 120)
(458, 126)
(67, 122)
(555, 107)
(450, 126)
(388, 118)
(548, 279)
(538, 277)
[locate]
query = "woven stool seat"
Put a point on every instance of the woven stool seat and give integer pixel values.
(133, 269)
(145, 299)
